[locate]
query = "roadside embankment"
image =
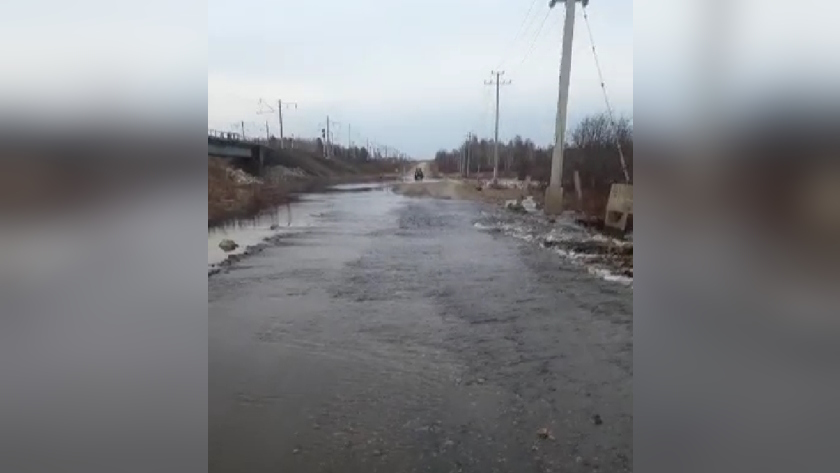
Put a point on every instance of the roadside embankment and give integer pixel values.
(610, 258)
(235, 194)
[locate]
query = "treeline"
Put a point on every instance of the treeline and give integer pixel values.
(591, 150)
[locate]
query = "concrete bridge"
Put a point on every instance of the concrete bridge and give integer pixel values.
(247, 154)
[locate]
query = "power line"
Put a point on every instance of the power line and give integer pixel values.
(519, 32)
(269, 109)
(535, 40)
(481, 120)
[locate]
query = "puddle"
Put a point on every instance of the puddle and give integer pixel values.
(313, 210)
(254, 231)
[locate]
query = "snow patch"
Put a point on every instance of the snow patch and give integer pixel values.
(241, 177)
(610, 276)
(556, 237)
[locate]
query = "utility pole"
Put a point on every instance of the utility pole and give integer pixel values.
(554, 193)
(469, 145)
(498, 82)
(327, 143)
(267, 136)
(328, 136)
(280, 119)
(280, 106)
(243, 129)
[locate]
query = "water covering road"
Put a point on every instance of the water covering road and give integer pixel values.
(392, 335)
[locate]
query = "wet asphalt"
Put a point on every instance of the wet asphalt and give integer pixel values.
(395, 336)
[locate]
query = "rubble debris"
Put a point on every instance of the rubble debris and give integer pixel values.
(545, 434)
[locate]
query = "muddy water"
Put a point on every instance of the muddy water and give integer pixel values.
(284, 220)
(392, 335)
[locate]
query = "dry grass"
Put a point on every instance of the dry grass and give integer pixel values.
(593, 204)
(227, 199)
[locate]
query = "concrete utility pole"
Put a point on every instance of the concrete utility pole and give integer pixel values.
(498, 82)
(554, 193)
(469, 146)
(243, 129)
(349, 140)
(280, 117)
(327, 143)
(280, 106)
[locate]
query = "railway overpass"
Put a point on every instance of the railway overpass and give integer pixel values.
(247, 154)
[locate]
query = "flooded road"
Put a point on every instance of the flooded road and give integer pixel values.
(391, 334)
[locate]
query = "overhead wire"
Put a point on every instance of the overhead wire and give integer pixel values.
(522, 28)
(535, 39)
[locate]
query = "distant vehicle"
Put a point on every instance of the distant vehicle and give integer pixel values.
(418, 174)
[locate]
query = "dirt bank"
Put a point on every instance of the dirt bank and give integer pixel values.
(234, 194)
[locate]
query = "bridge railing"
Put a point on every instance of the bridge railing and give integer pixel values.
(225, 135)
(234, 136)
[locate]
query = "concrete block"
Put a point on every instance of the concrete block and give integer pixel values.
(619, 207)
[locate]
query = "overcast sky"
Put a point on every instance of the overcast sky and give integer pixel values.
(406, 74)
(410, 74)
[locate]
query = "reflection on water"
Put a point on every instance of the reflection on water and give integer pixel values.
(311, 210)
(253, 231)
(362, 185)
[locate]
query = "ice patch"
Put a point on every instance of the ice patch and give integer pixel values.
(610, 276)
(529, 204)
(597, 263)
